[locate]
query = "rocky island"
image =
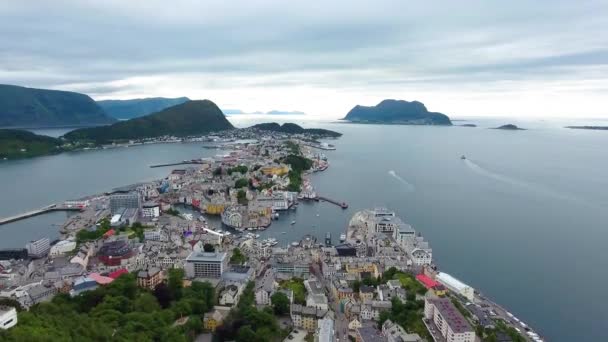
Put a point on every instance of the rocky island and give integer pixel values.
(510, 127)
(598, 128)
(397, 112)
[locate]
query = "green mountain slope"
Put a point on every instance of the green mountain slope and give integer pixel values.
(16, 143)
(189, 118)
(134, 108)
(29, 107)
(397, 112)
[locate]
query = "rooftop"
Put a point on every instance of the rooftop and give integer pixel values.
(451, 315)
(206, 256)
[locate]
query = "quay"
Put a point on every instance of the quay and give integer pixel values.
(325, 147)
(43, 210)
(342, 205)
(185, 162)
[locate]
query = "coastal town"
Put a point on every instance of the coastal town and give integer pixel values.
(201, 224)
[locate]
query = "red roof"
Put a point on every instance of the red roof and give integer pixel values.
(109, 233)
(117, 273)
(426, 281)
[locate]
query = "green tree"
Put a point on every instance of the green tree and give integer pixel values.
(241, 197)
(208, 247)
(238, 257)
(176, 283)
(241, 183)
(280, 303)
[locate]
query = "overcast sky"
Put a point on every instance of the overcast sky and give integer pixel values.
(463, 58)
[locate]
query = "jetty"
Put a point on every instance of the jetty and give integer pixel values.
(185, 162)
(43, 210)
(342, 205)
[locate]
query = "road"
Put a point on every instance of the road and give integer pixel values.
(341, 322)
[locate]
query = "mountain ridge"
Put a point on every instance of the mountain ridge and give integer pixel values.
(189, 118)
(33, 107)
(134, 108)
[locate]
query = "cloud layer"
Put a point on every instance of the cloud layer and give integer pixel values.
(542, 58)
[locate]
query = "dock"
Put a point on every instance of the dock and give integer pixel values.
(43, 210)
(342, 205)
(191, 162)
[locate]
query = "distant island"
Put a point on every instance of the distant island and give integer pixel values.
(599, 128)
(510, 127)
(186, 119)
(29, 107)
(15, 143)
(285, 112)
(397, 112)
(134, 108)
(468, 125)
(291, 128)
(272, 112)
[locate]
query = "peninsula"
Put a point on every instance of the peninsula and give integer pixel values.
(16, 144)
(397, 112)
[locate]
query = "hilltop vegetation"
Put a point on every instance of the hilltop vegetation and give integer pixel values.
(397, 112)
(134, 108)
(189, 118)
(291, 128)
(120, 311)
(16, 143)
(29, 107)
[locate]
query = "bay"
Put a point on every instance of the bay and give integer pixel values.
(523, 219)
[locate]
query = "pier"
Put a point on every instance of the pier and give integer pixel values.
(342, 205)
(188, 162)
(43, 210)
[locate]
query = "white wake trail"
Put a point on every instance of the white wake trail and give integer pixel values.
(409, 186)
(516, 182)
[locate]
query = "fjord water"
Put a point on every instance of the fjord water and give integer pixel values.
(523, 219)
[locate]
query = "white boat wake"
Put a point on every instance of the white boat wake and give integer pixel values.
(516, 182)
(409, 186)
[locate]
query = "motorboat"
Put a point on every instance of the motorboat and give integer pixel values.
(463, 157)
(293, 222)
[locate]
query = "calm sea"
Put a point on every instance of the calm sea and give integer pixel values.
(523, 219)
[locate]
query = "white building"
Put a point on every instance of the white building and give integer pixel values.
(150, 209)
(395, 333)
(455, 285)
(152, 234)
(8, 317)
(325, 330)
(39, 248)
(62, 247)
(448, 320)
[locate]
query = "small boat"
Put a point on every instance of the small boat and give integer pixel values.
(317, 215)
(463, 157)
(293, 222)
(342, 237)
(283, 232)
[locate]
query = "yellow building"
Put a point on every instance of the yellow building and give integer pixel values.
(214, 208)
(358, 268)
(278, 170)
(213, 319)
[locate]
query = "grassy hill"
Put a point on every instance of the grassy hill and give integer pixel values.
(16, 144)
(29, 107)
(134, 108)
(186, 119)
(291, 128)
